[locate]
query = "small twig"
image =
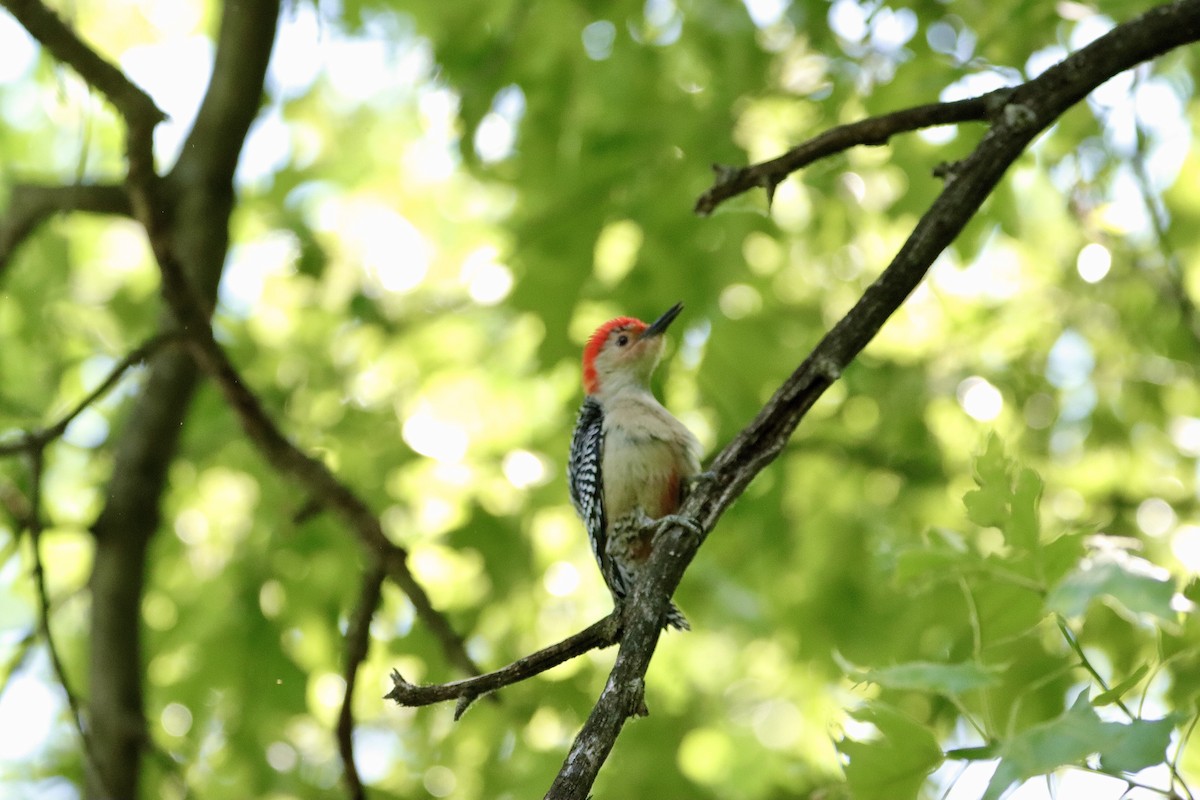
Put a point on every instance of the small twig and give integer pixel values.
(732, 181)
(34, 526)
(598, 635)
(32, 441)
(1173, 286)
(1132, 783)
(358, 641)
(1179, 748)
(1073, 642)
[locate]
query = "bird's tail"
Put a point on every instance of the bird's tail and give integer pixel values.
(676, 619)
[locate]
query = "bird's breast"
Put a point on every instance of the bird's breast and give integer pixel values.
(648, 454)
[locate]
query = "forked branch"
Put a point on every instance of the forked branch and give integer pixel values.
(875, 131)
(30, 204)
(147, 202)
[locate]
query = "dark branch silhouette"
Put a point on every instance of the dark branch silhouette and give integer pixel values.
(100, 73)
(33, 444)
(291, 460)
(31, 204)
(33, 524)
(358, 642)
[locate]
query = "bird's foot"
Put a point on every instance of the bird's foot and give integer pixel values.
(662, 524)
(700, 479)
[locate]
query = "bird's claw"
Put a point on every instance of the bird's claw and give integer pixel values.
(663, 524)
(699, 479)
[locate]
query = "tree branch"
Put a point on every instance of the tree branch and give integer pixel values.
(291, 460)
(34, 525)
(30, 204)
(358, 642)
(192, 315)
(192, 309)
(62, 42)
(35, 440)
(191, 223)
(597, 636)
(875, 131)
(1028, 110)
(178, 216)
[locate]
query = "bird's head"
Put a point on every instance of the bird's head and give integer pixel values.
(624, 351)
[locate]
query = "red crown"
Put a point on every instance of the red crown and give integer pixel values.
(595, 344)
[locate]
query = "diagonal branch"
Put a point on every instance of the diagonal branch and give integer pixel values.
(209, 158)
(192, 310)
(597, 636)
(66, 46)
(1029, 109)
(291, 460)
(35, 440)
(732, 181)
(30, 204)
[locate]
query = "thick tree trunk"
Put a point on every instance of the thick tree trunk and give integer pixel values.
(123, 532)
(200, 197)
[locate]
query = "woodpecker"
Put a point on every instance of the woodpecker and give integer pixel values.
(631, 462)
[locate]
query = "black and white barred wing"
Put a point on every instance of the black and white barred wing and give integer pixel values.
(584, 478)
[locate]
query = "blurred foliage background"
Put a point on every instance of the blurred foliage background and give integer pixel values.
(438, 203)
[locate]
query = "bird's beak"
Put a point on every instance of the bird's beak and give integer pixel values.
(659, 326)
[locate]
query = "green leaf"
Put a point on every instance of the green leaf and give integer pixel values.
(1138, 745)
(945, 550)
(1067, 739)
(987, 506)
(1022, 529)
(1072, 737)
(992, 466)
(1117, 692)
(894, 766)
(937, 678)
(998, 503)
(1132, 586)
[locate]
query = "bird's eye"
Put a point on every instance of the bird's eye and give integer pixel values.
(622, 340)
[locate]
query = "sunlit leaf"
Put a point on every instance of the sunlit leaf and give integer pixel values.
(936, 678)
(1074, 736)
(1022, 528)
(1130, 584)
(1137, 745)
(895, 764)
(988, 505)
